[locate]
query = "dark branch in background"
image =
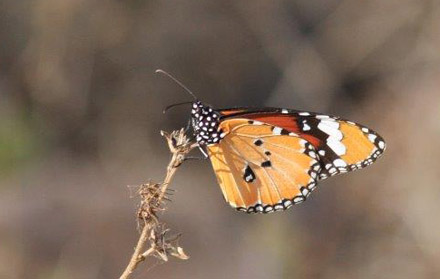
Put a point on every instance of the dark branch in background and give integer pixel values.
(154, 239)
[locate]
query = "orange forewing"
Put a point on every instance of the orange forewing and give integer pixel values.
(359, 147)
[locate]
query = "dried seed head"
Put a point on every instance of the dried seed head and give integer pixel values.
(178, 142)
(165, 245)
(151, 202)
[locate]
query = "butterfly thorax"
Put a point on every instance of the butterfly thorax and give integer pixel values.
(205, 122)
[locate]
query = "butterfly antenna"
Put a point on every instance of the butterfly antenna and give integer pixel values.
(177, 81)
(175, 105)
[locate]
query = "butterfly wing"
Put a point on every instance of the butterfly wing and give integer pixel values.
(260, 170)
(341, 145)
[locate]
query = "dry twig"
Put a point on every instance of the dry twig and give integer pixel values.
(152, 199)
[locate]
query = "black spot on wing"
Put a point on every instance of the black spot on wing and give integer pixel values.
(249, 175)
(258, 142)
(280, 131)
(266, 164)
(284, 132)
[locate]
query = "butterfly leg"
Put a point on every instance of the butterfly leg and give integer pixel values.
(188, 126)
(203, 152)
(205, 156)
(194, 158)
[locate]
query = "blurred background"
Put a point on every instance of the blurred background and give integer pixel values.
(81, 111)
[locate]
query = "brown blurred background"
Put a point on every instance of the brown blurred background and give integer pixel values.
(80, 115)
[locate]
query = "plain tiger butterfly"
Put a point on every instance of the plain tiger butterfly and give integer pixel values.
(267, 159)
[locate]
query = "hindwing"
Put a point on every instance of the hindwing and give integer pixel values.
(260, 170)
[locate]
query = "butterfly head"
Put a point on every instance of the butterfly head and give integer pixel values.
(205, 122)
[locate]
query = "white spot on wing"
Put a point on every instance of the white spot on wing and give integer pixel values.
(305, 191)
(336, 146)
(306, 127)
(372, 137)
(331, 128)
(339, 163)
(277, 131)
(304, 113)
(381, 144)
(284, 111)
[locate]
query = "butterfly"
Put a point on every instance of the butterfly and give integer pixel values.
(268, 159)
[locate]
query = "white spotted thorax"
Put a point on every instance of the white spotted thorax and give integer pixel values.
(205, 123)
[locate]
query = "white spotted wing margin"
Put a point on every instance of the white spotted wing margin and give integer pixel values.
(261, 168)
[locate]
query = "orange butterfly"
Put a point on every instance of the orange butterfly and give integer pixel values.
(268, 159)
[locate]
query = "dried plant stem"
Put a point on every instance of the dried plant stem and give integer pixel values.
(171, 170)
(137, 256)
(179, 146)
